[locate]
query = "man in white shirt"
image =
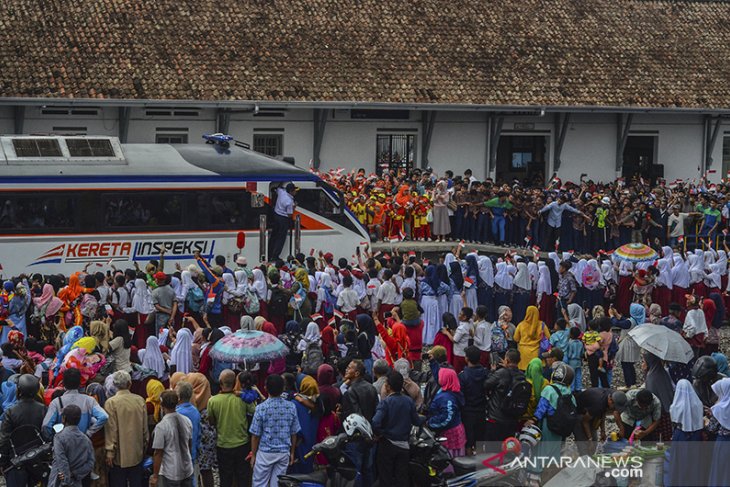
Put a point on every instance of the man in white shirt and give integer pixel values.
(386, 296)
(483, 335)
(461, 337)
(348, 299)
(283, 211)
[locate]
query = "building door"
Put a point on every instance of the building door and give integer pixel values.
(639, 155)
(522, 157)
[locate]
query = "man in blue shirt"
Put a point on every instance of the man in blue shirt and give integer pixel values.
(555, 217)
(273, 431)
(185, 408)
(93, 416)
(392, 422)
(283, 211)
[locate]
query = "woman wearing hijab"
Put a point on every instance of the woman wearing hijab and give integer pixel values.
(502, 286)
(456, 282)
(686, 413)
(485, 287)
(697, 274)
(472, 272)
(720, 424)
(522, 287)
(714, 317)
(442, 337)
(291, 338)
(680, 280)
(660, 384)
(535, 377)
(528, 335)
(623, 291)
(544, 297)
(142, 304)
(628, 351)
(504, 321)
(261, 289)
(210, 367)
(46, 306)
(655, 313)
(444, 415)
(99, 330)
(330, 395)
(153, 401)
(575, 316)
(207, 457)
(722, 365)
(181, 356)
(431, 288)
(662, 294)
(551, 443)
(312, 335)
(230, 318)
(305, 402)
(694, 328)
(444, 300)
(152, 358)
(440, 227)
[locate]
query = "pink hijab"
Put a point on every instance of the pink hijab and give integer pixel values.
(448, 380)
(48, 298)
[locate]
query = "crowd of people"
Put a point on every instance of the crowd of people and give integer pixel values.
(472, 346)
(585, 216)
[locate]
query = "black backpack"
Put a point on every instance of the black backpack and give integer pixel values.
(563, 421)
(279, 302)
(518, 396)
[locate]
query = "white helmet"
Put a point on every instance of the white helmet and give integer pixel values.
(530, 435)
(355, 424)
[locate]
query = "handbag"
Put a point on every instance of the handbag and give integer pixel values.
(545, 344)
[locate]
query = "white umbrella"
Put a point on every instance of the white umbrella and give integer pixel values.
(661, 341)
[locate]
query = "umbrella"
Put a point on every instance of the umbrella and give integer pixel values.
(635, 252)
(661, 341)
(248, 346)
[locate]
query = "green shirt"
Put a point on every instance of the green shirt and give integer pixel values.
(495, 203)
(228, 412)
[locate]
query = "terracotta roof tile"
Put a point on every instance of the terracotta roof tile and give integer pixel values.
(526, 52)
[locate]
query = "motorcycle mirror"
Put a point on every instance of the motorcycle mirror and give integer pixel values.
(441, 439)
(57, 428)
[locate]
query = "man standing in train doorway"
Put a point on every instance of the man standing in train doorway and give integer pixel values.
(283, 211)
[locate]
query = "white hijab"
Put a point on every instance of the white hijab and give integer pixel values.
(544, 284)
(694, 323)
(503, 278)
(555, 258)
(577, 270)
(625, 268)
(665, 274)
(229, 285)
(534, 273)
(608, 271)
(448, 259)
(696, 268)
(311, 335)
(722, 262)
(181, 355)
(141, 298)
(177, 286)
(241, 283)
(686, 409)
(486, 272)
(577, 317)
(522, 278)
(153, 359)
(259, 284)
(713, 279)
(721, 409)
(680, 272)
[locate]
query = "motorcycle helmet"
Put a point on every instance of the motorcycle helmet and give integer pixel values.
(355, 424)
(530, 435)
(28, 386)
(705, 368)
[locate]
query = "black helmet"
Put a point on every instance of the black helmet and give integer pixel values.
(28, 386)
(705, 368)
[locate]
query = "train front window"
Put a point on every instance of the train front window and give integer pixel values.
(319, 202)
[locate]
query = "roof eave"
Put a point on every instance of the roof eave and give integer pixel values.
(250, 104)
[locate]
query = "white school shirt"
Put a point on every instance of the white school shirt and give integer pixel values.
(386, 293)
(483, 336)
(461, 338)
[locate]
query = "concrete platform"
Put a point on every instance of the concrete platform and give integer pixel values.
(443, 247)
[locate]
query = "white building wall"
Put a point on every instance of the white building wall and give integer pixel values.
(459, 139)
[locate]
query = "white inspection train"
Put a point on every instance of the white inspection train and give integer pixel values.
(71, 200)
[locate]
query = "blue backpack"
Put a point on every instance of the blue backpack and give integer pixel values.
(195, 299)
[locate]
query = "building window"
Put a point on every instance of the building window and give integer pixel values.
(270, 144)
(395, 152)
(725, 155)
(171, 135)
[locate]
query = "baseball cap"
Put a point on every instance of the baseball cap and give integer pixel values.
(619, 401)
(241, 260)
(606, 200)
(160, 276)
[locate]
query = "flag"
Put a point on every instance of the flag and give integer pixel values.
(315, 317)
(338, 314)
(557, 244)
(468, 282)
(535, 248)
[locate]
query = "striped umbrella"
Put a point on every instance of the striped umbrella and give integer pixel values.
(248, 346)
(635, 252)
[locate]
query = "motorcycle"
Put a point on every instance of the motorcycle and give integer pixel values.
(340, 472)
(32, 453)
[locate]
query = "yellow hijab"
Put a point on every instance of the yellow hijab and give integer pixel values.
(302, 277)
(531, 324)
(154, 390)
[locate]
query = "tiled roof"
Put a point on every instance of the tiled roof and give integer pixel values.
(509, 52)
